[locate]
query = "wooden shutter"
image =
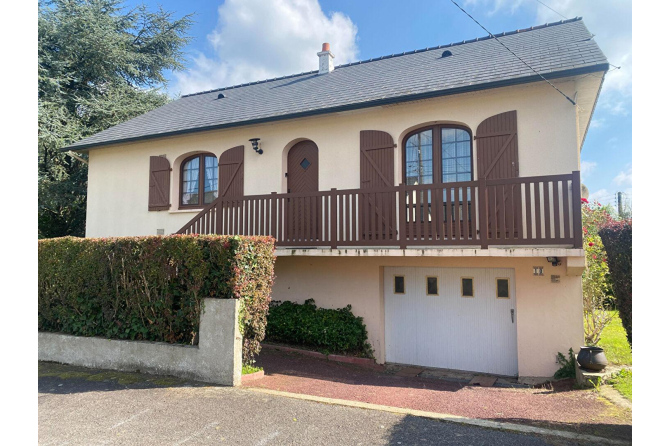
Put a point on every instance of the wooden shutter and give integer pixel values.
(497, 147)
(377, 210)
(498, 158)
(159, 183)
(377, 150)
(231, 173)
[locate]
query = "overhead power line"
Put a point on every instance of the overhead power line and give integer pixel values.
(514, 54)
(552, 9)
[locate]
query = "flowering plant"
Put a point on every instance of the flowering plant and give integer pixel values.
(596, 283)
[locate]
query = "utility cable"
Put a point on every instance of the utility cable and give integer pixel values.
(552, 9)
(514, 54)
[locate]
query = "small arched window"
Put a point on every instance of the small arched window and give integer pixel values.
(199, 182)
(438, 154)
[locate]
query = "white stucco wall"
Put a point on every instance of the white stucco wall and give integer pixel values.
(216, 359)
(549, 315)
(118, 179)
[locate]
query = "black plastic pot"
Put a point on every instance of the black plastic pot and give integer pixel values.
(592, 358)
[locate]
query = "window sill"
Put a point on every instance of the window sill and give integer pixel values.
(185, 211)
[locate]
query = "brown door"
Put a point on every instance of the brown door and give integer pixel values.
(498, 158)
(303, 223)
(377, 210)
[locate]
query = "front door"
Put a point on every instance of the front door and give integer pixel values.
(302, 220)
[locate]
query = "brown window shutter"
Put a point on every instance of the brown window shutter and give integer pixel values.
(497, 147)
(159, 183)
(498, 158)
(231, 173)
(377, 153)
(377, 150)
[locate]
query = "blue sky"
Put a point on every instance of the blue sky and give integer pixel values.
(236, 41)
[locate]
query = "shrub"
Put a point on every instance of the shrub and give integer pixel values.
(617, 238)
(567, 369)
(596, 288)
(330, 331)
(151, 288)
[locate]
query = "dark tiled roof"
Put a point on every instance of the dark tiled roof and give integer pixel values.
(554, 50)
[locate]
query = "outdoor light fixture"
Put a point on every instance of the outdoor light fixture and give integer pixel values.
(255, 144)
(553, 260)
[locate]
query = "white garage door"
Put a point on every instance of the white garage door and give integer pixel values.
(470, 324)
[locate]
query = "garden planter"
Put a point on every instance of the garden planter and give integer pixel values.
(592, 358)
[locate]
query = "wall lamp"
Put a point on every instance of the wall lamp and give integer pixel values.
(554, 261)
(256, 144)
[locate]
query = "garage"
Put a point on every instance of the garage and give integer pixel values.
(452, 318)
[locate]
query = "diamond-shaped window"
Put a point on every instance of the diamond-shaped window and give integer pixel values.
(305, 163)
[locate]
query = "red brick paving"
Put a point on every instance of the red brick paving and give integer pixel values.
(565, 408)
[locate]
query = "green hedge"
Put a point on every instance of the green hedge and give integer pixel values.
(151, 288)
(330, 331)
(617, 237)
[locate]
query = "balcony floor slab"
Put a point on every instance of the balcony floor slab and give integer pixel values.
(432, 252)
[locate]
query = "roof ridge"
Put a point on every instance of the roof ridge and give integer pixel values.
(405, 53)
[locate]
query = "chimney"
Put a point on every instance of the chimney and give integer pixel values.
(325, 59)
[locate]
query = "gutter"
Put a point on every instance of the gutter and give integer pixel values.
(356, 106)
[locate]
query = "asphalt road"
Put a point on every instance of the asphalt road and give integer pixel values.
(77, 407)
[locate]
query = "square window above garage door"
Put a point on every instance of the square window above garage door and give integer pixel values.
(399, 284)
(502, 288)
(467, 287)
(431, 286)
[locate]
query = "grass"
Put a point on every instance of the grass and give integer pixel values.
(249, 369)
(613, 341)
(623, 382)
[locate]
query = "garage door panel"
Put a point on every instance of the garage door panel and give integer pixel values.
(447, 330)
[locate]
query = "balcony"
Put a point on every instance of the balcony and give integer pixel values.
(540, 211)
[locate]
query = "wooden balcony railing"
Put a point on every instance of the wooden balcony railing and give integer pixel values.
(542, 210)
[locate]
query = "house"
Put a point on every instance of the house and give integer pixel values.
(436, 191)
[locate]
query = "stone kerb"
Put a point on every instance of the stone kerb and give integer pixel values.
(217, 359)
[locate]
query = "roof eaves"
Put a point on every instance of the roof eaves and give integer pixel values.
(356, 106)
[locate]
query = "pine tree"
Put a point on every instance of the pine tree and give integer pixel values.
(99, 65)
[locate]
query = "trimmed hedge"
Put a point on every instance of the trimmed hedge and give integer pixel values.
(617, 237)
(151, 288)
(330, 331)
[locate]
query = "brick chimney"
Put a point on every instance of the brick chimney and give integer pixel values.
(325, 59)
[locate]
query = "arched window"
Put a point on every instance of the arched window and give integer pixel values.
(199, 182)
(437, 154)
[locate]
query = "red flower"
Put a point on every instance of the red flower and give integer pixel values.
(594, 256)
(590, 243)
(584, 200)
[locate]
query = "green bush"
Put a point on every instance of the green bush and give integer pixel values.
(617, 238)
(151, 288)
(567, 369)
(330, 331)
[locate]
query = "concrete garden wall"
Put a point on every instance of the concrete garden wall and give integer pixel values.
(216, 359)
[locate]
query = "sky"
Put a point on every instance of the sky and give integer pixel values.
(238, 41)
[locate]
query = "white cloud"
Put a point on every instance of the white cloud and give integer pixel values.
(494, 6)
(587, 168)
(622, 182)
(624, 178)
(597, 123)
(602, 196)
(261, 39)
